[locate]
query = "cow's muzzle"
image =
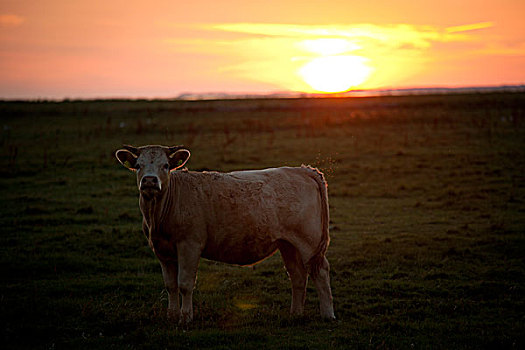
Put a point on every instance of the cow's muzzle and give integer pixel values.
(150, 183)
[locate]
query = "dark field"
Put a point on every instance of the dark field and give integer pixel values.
(427, 198)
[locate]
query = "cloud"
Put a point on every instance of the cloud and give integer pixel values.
(397, 34)
(364, 36)
(276, 53)
(469, 27)
(10, 20)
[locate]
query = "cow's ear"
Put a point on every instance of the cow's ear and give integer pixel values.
(127, 158)
(132, 149)
(177, 158)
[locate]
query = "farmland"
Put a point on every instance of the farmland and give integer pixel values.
(427, 201)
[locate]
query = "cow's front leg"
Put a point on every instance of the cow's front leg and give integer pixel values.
(169, 273)
(189, 256)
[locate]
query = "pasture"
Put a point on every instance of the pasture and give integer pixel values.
(427, 200)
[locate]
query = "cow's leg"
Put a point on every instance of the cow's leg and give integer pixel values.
(298, 276)
(188, 257)
(169, 273)
(322, 284)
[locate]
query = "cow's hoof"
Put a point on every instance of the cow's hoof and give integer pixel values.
(185, 318)
(173, 315)
(297, 311)
(328, 315)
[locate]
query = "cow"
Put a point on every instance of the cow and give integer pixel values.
(240, 218)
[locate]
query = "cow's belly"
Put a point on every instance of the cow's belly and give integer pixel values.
(239, 250)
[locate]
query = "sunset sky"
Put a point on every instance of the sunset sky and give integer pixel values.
(90, 49)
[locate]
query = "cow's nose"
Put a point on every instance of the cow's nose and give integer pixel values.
(149, 181)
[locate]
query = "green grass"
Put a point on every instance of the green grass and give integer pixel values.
(427, 199)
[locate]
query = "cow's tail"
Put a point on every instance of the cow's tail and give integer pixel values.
(317, 260)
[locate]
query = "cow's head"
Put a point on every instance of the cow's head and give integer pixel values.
(153, 165)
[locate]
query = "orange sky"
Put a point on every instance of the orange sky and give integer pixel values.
(87, 49)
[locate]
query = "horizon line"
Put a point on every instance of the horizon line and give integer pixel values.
(207, 96)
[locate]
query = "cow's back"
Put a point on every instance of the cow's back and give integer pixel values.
(245, 213)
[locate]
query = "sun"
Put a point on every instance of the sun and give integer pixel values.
(337, 73)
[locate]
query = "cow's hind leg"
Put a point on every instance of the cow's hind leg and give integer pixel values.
(321, 277)
(298, 276)
(169, 273)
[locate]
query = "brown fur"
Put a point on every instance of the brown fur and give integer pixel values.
(241, 218)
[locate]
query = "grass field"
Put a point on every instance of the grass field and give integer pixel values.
(427, 199)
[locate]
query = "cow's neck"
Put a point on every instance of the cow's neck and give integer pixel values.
(155, 210)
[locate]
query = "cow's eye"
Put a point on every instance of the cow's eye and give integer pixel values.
(166, 166)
